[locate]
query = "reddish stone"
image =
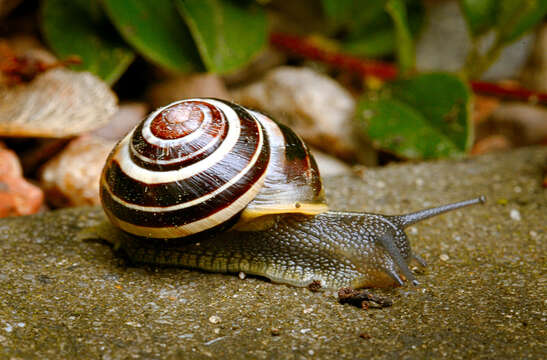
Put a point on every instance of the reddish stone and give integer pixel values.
(17, 196)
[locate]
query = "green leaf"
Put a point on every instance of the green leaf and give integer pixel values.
(405, 44)
(479, 14)
(426, 116)
(227, 35)
(518, 16)
(511, 18)
(156, 30)
(79, 27)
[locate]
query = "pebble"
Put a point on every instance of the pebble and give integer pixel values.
(214, 319)
(444, 257)
(72, 177)
(491, 143)
(521, 123)
(17, 196)
(315, 106)
(242, 275)
(515, 215)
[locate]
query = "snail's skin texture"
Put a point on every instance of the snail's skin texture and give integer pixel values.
(335, 248)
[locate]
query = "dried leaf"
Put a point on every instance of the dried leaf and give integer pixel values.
(58, 103)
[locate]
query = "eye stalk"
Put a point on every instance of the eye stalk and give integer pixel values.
(406, 220)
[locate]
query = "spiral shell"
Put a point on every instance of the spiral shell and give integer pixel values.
(202, 164)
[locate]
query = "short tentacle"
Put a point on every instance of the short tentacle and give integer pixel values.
(419, 260)
(387, 242)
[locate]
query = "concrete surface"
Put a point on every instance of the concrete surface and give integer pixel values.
(483, 294)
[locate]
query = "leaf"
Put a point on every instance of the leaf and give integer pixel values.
(378, 38)
(426, 116)
(479, 14)
(511, 18)
(517, 17)
(227, 35)
(57, 103)
(404, 42)
(80, 28)
(156, 30)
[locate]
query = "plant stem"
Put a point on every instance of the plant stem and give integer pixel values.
(387, 71)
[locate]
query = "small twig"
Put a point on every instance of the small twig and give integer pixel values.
(513, 92)
(386, 71)
(302, 47)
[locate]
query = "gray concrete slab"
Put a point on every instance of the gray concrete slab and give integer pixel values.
(483, 294)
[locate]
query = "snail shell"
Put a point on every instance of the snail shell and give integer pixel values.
(198, 164)
(207, 184)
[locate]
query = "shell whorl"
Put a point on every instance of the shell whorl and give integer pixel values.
(188, 167)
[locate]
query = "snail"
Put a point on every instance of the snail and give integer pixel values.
(207, 184)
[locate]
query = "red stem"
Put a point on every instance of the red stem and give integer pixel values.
(302, 47)
(386, 71)
(512, 92)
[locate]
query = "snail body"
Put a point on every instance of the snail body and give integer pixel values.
(207, 184)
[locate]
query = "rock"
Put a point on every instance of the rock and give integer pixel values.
(63, 298)
(535, 74)
(34, 152)
(57, 103)
(72, 177)
(520, 123)
(483, 107)
(491, 143)
(313, 105)
(17, 196)
(187, 86)
(445, 42)
(125, 119)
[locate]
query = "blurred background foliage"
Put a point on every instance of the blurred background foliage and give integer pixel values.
(419, 115)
